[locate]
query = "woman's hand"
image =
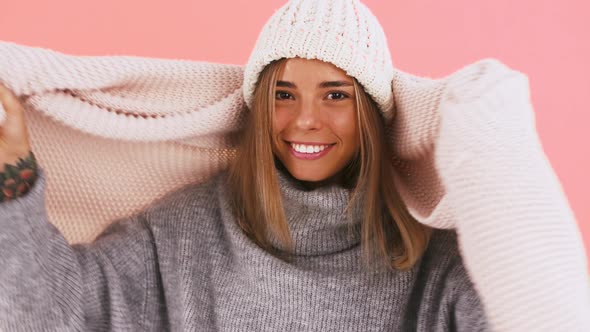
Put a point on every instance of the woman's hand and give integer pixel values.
(18, 169)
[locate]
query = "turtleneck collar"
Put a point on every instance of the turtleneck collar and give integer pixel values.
(317, 218)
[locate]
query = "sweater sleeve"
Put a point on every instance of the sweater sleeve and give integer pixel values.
(517, 234)
(48, 285)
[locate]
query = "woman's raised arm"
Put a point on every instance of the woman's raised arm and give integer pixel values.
(46, 284)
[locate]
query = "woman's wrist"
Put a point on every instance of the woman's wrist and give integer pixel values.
(16, 180)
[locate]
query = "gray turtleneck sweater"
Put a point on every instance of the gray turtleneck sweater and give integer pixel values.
(183, 264)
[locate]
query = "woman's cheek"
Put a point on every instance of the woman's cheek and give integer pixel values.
(345, 123)
(280, 119)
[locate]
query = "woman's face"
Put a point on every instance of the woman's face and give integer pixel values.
(315, 131)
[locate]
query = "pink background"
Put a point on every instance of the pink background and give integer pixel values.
(548, 40)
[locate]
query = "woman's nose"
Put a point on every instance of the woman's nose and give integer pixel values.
(308, 117)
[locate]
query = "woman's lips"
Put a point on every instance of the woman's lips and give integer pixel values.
(310, 156)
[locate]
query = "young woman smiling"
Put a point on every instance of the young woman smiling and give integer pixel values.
(326, 130)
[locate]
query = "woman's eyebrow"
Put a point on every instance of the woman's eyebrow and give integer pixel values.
(325, 84)
(334, 84)
(286, 84)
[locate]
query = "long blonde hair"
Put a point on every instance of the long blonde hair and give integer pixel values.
(388, 232)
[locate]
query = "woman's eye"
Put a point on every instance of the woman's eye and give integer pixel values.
(282, 95)
(337, 95)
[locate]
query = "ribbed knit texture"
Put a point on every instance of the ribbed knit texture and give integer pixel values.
(184, 265)
(114, 133)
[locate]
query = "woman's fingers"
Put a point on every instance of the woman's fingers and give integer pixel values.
(11, 104)
(14, 139)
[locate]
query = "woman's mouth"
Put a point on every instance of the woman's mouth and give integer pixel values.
(309, 151)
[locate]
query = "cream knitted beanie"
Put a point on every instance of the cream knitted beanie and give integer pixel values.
(342, 32)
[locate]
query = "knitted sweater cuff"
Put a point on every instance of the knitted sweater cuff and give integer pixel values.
(518, 235)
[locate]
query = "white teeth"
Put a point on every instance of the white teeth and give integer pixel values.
(308, 148)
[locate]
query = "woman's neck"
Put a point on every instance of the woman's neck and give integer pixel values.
(343, 178)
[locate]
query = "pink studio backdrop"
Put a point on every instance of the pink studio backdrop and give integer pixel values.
(548, 40)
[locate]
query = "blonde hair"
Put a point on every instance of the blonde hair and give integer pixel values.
(388, 232)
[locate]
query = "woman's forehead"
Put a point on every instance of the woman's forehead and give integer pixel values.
(311, 70)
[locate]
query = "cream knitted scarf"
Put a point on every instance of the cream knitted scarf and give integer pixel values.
(116, 132)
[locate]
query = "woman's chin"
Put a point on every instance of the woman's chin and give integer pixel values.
(307, 174)
(313, 179)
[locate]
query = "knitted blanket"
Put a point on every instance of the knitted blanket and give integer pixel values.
(114, 133)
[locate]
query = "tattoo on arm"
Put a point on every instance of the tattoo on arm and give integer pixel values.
(16, 180)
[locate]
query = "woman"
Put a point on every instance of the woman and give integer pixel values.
(303, 231)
